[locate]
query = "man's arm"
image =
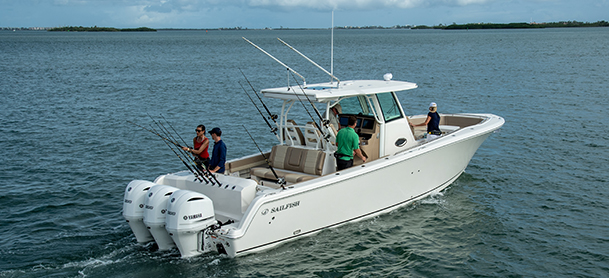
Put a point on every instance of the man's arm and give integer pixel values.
(358, 152)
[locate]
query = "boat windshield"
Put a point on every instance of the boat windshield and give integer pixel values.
(356, 106)
(389, 106)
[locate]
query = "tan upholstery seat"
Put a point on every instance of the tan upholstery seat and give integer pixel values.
(332, 134)
(294, 164)
(294, 134)
(312, 136)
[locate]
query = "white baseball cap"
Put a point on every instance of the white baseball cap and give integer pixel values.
(433, 104)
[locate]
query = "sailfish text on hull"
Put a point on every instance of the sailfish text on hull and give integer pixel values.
(286, 206)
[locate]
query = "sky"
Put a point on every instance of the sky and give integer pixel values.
(202, 14)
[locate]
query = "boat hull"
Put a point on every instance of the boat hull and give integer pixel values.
(241, 216)
(357, 193)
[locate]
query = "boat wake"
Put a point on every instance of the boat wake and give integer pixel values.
(434, 199)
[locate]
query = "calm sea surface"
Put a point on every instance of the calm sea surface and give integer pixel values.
(532, 203)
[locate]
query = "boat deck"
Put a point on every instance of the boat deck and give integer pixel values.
(301, 162)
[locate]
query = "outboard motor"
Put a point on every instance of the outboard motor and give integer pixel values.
(133, 209)
(189, 214)
(155, 209)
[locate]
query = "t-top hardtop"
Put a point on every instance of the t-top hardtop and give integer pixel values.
(324, 92)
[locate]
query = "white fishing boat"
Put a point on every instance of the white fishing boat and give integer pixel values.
(296, 191)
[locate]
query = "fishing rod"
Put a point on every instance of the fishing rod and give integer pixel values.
(207, 173)
(195, 173)
(165, 140)
(271, 115)
(168, 134)
(184, 153)
(166, 131)
(212, 175)
(174, 130)
(204, 171)
(324, 121)
(313, 119)
(157, 134)
(280, 181)
(273, 129)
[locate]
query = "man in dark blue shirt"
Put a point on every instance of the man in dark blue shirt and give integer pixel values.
(218, 156)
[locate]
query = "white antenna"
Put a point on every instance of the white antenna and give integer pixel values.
(332, 50)
(331, 75)
(290, 69)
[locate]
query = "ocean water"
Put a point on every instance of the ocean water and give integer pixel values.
(532, 202)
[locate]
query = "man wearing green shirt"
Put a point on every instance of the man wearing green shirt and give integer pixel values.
(347, 141)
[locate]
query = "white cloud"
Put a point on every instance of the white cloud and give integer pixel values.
(470, 2)
(166, 6)
(359, 4)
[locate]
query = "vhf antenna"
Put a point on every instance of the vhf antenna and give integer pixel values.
(332, 50)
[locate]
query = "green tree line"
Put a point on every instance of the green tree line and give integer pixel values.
(100, 29)
(517, 25)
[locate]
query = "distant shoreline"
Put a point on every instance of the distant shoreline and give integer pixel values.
(519, 25)
(99, 29)
(454, 26)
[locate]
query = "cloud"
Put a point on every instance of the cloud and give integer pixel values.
(360, 4)
(168, 6)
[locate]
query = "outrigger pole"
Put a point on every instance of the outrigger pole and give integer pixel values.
(331, 75)
(280, 181)
(290, 69)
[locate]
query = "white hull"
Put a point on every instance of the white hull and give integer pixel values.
(265, 218)
(357, 193)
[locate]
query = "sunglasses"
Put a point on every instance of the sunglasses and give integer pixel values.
(197, 130)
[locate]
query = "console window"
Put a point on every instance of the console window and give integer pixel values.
(389, 106)
(356, 106)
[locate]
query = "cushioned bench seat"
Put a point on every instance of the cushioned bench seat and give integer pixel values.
(289, 176)
(294, 164)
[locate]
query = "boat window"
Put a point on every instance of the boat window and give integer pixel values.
(356, 106)
(389, 105)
